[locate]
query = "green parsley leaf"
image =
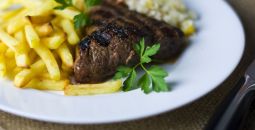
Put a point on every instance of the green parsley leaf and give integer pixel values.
(150, 51)
(91, 3)
(145, 83)
(158, 74)
(146, 59)
(122, 72)
(158, 71)
(153, 78)
(129, 82)
(137, 48)
(81, 20)
(142, 47)
(159, 84)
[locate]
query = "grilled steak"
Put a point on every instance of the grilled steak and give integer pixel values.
(110, 39)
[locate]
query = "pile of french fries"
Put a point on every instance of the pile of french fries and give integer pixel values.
(37, 47)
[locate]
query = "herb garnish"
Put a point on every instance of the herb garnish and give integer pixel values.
(152, 80)
(82, 19)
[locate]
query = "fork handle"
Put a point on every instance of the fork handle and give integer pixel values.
(233, 110)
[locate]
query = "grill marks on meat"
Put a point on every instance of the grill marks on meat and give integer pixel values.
(110, 41)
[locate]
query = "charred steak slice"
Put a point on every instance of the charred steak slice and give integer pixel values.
(110, 41)
(103, 51)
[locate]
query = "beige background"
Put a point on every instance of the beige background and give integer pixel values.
(191, 117)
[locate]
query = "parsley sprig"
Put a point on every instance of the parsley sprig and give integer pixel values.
(82, 19)
(154, 77)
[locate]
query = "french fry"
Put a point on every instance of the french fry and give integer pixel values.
(28, 3)
(13, 72)
(55, 22)
(38, 66)
(10, 54)
(79, 4)
(66, 13)
(49, 61)
(46, 75)
(11, 64)
(2, 66)
(47, 84)
(3, 48)
(12, 19)
(67, 69)
(8, 40)
(24, 76)
(22, 60)
(16, 25)
(22, 57)
(40, 19)
(65, 55)
(22, 47)
(6, 15)
(11, 68)
(5, 4)
(54, 41)
(31, 36)
(39, 7)
(92, 89)
(65, 75)
(68, 27)
(32, 55)
(44, 30)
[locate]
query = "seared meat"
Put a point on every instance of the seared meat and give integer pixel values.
(110, 41)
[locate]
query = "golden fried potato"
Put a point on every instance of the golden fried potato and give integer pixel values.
(23, 46)
(23, 77)
(9, 53)
(39, 7)
(5, 4)
(65, 55)
(3, 48)
(31, 36)
(54, 41)
(22, 60)
(92, 89)
(45, 84)
(49, 61)
(7, 39)
(67, 13)
(2, 66)
(68, 27)
(26, 75)
(16, 25)
(7, 15)
(13, 72)
(44, 30)
(40, 19)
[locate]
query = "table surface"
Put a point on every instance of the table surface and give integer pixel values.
(191, 117)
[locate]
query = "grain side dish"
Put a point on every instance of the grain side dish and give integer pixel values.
(174, 12)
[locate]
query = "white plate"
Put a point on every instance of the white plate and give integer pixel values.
(208, 61)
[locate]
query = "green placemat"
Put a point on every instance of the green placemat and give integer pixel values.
(191, 117)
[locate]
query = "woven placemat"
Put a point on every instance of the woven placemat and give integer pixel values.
(191, 117)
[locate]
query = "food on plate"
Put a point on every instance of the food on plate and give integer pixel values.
(112, 36)
(173, 12)
(75, 46)
(92, 89)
